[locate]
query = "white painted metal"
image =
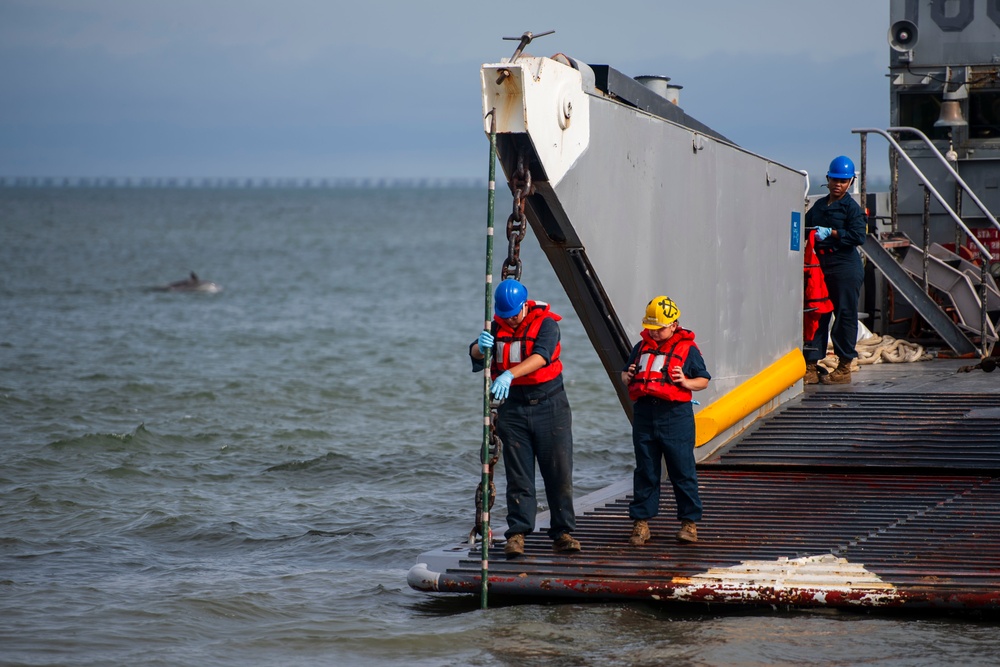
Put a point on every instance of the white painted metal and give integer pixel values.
(546, 96)
(659, 208)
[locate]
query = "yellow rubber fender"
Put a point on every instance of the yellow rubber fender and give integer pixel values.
(749, 396)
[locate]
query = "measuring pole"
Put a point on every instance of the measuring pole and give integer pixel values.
(487, 532)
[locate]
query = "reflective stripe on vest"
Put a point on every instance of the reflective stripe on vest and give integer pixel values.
(514, 346)
(651, 378)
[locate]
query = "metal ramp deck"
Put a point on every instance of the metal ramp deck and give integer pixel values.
(881, 494)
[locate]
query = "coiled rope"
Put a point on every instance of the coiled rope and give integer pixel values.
(875, 349)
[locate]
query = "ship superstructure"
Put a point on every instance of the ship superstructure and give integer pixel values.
(938, 219)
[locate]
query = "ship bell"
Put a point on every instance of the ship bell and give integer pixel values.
(951, 115)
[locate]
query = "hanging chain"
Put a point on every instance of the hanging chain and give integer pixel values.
(517, 223)
(495, 446)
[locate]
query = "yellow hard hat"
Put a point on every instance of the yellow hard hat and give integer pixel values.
(660, 312)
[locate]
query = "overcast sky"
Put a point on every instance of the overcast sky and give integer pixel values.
(390, 88)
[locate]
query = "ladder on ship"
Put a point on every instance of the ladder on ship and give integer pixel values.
(968, 299)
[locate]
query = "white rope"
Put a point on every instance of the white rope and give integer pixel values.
(877, 349)
(892, 350)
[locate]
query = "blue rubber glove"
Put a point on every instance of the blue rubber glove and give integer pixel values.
(501, 386)
(822, 233)
(485, 341)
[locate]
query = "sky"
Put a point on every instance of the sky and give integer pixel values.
(390, 88)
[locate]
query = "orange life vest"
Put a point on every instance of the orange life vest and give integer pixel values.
(655, 361)
(512, 346)
(816, 299)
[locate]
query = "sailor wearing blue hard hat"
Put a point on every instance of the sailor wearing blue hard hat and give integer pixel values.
(509, 298)
(841, 168)
(840, 227)
(534, 421)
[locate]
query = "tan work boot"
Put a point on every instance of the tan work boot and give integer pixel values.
(565, 544)
(840, 375)
(640, 533)
(688, 532)
(812, 374)
(514, 546)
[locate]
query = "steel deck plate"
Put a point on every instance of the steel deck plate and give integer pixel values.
(880, 494)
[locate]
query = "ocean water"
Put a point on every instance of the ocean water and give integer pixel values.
(244, 478)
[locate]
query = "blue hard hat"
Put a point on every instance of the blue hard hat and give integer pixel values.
(841, 167)
(510, 297)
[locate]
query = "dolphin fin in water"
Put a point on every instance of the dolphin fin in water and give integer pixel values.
(190, 284)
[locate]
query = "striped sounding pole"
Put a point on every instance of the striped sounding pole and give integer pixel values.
(488, 319)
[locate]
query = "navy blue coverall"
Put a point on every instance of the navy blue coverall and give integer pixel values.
(535, 423)
(664, 430)
(843, 273)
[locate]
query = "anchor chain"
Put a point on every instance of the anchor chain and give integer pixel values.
(517, 223)
(495, 446)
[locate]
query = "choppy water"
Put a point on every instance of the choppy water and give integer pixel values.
(244, 478)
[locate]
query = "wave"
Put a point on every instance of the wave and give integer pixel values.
(107, 441)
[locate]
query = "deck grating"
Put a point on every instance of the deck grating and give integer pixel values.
(901, 510)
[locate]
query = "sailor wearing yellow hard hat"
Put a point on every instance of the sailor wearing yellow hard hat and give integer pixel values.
(662, 371)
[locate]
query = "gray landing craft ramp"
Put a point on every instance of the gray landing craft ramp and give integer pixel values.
(884, 493)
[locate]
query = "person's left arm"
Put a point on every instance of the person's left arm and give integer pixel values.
(694, 376)
(541, 351)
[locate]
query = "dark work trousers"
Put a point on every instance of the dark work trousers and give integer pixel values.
(663, 430)
(543, 433)
(843, 282)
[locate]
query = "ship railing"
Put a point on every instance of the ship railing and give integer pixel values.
(899, 153)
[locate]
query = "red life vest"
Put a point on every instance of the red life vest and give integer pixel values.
(512, 346)
(816, 299)
(655, 361)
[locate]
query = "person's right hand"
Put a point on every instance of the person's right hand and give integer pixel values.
(630, 373)
(822, 233)
(485, 341)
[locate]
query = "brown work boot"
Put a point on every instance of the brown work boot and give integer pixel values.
(640, 533)
(565, 544)
(688, 532)
(840, 375)
(812, 374)
(514, 546)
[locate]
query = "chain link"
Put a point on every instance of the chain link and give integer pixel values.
(517, 223)
(495, 446)
(517, 226)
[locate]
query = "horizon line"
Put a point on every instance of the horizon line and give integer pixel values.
(227, 182)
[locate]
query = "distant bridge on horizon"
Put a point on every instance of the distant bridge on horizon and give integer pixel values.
(235, 183)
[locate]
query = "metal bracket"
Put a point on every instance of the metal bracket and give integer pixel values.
(525, 40)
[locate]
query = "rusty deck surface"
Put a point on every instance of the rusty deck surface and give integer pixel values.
(884, 493)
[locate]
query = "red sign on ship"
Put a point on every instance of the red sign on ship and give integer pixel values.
(990, 238)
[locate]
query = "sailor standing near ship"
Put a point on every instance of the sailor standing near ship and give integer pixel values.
(840, 228)
(662, 371)
(534, 421)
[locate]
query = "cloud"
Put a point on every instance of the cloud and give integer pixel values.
(262, 88)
